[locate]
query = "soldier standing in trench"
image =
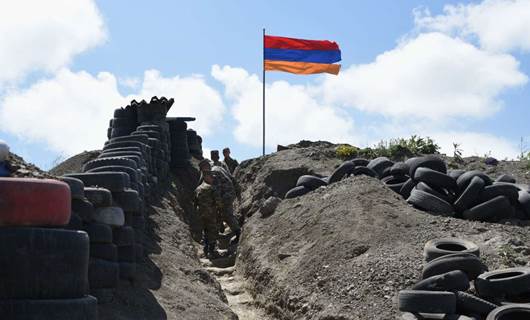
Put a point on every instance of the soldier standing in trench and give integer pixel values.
(225, 192)
(207, 205)
(231, 163)
(214, 155)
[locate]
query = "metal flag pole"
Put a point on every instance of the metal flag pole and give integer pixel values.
(263, 91)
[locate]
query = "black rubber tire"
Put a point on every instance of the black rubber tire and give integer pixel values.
(76, 187)
(96, 163)
(103, 274)
(123, 236)
(492, 210)
(134, 174)
(469, 304)
(364, 171)
(113, 181)
(524, 202)
(103, 295)
(99, 197)
(127, 270)
(138, 222)
(455, 173)
(430, 203)
(435, 178)
(127, 254)
(146, 149)
(98, 232)
(123, 122)
(510, 312)
(360, 162)
(441, 247)
(407, 187)
(508, 190)
(385, 173)
(470, 194)
(455, 280)
(137, 138)
(128, 200)
(505, 178)
(84, 209)
(378, 165)
(38, 263)
(297, 192)
(113, 216)
(124, 149)
(504, 282)
(394, 179)
(150, 133)
(128, 113)
(310, 182)
(150, 127)
(468, 263)
(84, 308)
(139, 159)
(465, 179)
(344, 169)
(430, 161)
(399, 169)
(439, 193)
(75, 223)
(139, 251)
(121, 131)
(104, 251)
(427, 301)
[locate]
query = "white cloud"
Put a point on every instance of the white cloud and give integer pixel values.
(45, 35)
(293, 111)
(431, 76)
(499, 25)
(477, 144)
(193, 98)
(70, 112)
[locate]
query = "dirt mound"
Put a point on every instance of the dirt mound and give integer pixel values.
(275, 174)
(345, 250)
(21, 169)
(75, 163)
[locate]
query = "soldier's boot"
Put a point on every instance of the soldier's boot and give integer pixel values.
(212, 252)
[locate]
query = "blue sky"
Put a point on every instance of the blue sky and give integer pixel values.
(405, 71)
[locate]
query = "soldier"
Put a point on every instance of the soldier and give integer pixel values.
(225, 193)
(207, 208)
(230, 162)
(214, 155)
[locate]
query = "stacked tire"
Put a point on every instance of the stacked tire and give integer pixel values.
(180, 151)
(451, 265)
(427, 184)
(194, 144)
(124, 121)
(107, 218)
(44, 267)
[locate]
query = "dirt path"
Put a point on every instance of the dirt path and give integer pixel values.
(234, 287)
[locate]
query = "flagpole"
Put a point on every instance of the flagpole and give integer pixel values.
(263, 66)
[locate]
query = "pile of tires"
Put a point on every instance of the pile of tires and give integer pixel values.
(107, 199)
(456, 284)
(44, 267)
(195, 144)
(426, 184)
(180, 150)
(124, 121)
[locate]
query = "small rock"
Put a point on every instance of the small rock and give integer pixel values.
(269, 206)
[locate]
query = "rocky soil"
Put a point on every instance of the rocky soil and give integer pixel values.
(345, 250)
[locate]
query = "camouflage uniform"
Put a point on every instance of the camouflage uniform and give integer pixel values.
(220, 164)
(231, 164)
(207, 208)
(225, 194)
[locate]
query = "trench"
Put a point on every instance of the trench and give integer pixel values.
(234, 286)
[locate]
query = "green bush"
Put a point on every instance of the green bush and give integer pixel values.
(346, 151)
(396, 149)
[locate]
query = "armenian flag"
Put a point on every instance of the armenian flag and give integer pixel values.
(301, 56)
